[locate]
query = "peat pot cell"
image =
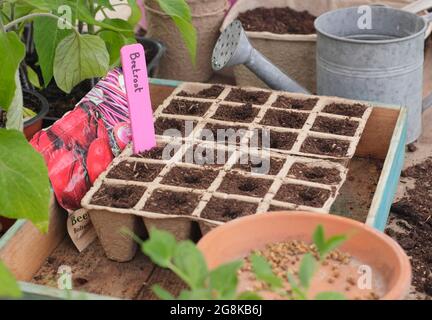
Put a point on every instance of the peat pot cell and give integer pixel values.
(203, 155)
(348, 110)
(245, 113)
(318, 174)
(328, 147)
(284, 102)
(260, 165)
(342, 127)
(277, 140)
(227, 209)
(157, 153)
(274, 208)
(172, 203)
(186, 107)
(302, 195)
(254, 97)
(235, 183)
(135, 171)
(181, 127)
(225, 133)
(212, 93)
(285, 119)
(115, 196)
(190, 177)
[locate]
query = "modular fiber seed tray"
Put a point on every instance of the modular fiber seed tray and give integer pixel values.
(167, 194)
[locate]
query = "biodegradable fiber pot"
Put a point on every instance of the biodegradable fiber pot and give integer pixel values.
(207, 17)
(292, 53)
(236, 239)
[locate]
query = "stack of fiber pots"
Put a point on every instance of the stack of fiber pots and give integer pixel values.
(292, 53)
(207, 17)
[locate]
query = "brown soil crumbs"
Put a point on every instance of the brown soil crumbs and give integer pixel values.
(163, 124)
(235, 183)
(355, 110)
(190, 177)
(303, 195)
(227, 209)
(135, 171)
(284, 102)
(285, 119)
(262, 166)
(342, 127)
(328, 147)
(416, 209)
(124, 196)
(278, 20)
(246, 113)
(172, 203)
(314, 174)
(278, 140)
(186, 107)
(203, 155)
(227, 133)
(156, 153)
(254, 97)
(213, 92)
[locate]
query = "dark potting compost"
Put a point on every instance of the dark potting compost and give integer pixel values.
(342, 127)
(173, 203)
(284, 102)
(285, 119)
(330, 147)
(186, 107)
(236, 183)
(212, 92)
(190, 177)
(245, 113)
(118, 196)
(300, 194)
(227, 209)
(356, 110)
(314, 173)
(243, 96)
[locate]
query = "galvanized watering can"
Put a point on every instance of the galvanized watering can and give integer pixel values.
(374, 55)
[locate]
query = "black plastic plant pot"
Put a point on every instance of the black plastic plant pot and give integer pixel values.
(154, 51)
(39, 104)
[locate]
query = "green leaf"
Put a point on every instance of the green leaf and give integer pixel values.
(8, 286)
(79, 57)
(15, 111)
(333, 242)
(25, 188)
(105, 4)
(135, 16)
(319, 238)
(195, 294)
(249, 295)
(122, 25)
(224, 280)
(264, 272)
(297, 291)
(330, 296)
(307, 269)
(180, 13)
(47, 37)
(326, 246)
(191, 263)
(114, 41)
(33, 77)
(12, 51)
(160, 247)
(162, 293)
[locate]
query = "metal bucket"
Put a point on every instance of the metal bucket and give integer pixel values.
(373, 53)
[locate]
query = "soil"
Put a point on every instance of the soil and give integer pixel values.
(214, 127)
(2, 119)
(279, 140)
(314, 174)
(274, 208)
(328, 147)
(212, 92)
(163, 124)
(135, 171)
(302, 195)
(259, 167)
(190, 177)
(225, 210)
(236, 183)
(116, 196)
(172, 203)
(285, 119)
(155, 153)
(203, 155)
(186, 107)
(413, 214)
(278, 20)
(254, 97)
(356, 110)
(284, 102)
(342, 127)
(245, 113)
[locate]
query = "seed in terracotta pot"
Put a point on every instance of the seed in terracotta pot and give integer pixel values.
(351, 281)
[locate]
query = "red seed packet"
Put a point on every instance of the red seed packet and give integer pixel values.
(80, 146)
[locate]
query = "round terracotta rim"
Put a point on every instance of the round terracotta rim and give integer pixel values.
(399, 289)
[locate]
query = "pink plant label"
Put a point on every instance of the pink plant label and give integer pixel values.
(138, 96)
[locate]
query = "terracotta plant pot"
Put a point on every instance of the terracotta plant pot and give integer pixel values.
(39, 103)
(236, 239)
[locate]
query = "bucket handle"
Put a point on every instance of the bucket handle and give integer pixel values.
(418, 6)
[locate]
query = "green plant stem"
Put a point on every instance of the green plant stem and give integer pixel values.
(180, 274)
(2, 27)
(90, 27)
(33, 16)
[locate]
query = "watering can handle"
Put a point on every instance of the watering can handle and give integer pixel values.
(418, 6)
